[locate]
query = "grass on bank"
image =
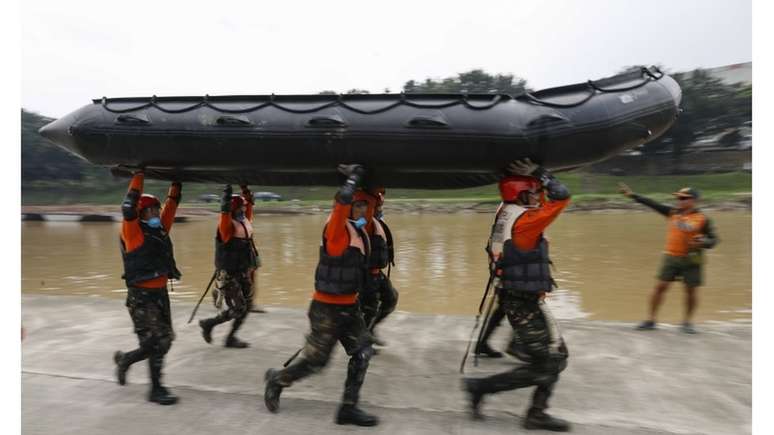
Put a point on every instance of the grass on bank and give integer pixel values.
(585, 187)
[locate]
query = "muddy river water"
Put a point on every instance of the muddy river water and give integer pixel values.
(606, 262)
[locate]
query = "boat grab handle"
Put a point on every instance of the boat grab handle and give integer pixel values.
(231, 120)
(326, 122)
(547, 118)
(139, 119)
(427, 122)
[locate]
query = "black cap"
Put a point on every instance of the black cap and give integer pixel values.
(687, 192)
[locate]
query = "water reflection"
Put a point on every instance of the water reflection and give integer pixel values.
(605, 262)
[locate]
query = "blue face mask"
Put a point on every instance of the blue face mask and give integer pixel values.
(239, 216)
(379, 214)
(360, 222)
(154, 222)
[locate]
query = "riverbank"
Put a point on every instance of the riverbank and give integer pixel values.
(619, 381)
(586, 187)
(581, 203)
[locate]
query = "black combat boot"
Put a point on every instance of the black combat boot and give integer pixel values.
(273, 390)
(121, 368)
(207, 325)
(162, 396)
(483, 349)
(351, 414)
(232, 341)
(538, 419)
(125, 360)
(471, 386)
(158, 393)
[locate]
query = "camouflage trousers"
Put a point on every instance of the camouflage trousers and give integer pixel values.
(539, 344)
(378, 300)
(152, 319)
(495, 319)
(233, 297)
(331, 324)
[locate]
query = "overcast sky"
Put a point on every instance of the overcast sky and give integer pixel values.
(73, 51)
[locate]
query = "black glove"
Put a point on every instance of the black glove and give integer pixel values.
(176, 185)
(354, 175)
(129, 206)
(225, 200)
(246, 193)
(555, 189)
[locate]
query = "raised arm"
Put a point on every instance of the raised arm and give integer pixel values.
(174, 195)
(248, 196)
(336, 234)
(662, 209)
(131, 233)
(225, 225)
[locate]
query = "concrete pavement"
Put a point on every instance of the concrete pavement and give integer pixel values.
(618, 381)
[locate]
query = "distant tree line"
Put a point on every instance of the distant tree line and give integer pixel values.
(42, 160)
(709, 107)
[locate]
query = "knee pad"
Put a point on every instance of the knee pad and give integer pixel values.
(163, 345)
(148, 342)
(362, 357)
(562, 365)
(389, 299)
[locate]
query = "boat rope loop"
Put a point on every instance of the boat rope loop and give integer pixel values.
(403, 101)
(463, 99)
(592, 87)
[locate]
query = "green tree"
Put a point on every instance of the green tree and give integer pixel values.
(709, 107)
(41, 159)
(475, 81)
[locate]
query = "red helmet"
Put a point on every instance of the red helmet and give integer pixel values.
(237, 201)
(511, 186)
(148, 201)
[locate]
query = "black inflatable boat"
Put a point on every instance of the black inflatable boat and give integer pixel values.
(406, 140)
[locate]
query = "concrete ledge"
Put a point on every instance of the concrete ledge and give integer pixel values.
(619, 381)
(73, 217)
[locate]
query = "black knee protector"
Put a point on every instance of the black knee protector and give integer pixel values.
(389, 297)
(163, 344)
(362, 357)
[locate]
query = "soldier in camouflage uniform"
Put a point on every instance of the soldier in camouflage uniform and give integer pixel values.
(523, 275)
(236, 261)
(334, 314)
(149, 262)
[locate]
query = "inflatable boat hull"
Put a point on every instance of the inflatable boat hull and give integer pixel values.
(409, 141)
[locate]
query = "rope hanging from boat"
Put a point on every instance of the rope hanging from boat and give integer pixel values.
(463, 99)
(646, 74)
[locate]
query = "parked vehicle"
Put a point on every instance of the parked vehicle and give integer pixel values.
(208, 197)
(267, 196)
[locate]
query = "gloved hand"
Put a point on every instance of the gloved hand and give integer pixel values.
(176, 191)
(129, 205)
(130, 169)
(349, 170)
(623, 188)
(225, 199)
(354, 175)
(246, 193)
(524, 167)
